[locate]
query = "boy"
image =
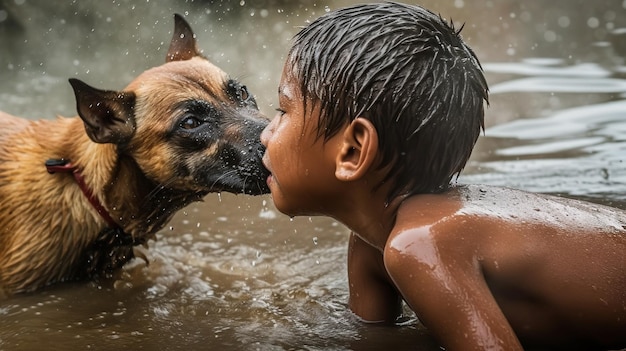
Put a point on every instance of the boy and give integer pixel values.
(380, 106)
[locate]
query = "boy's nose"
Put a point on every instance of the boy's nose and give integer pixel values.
(267, 132)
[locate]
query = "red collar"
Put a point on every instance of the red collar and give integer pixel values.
(65, 166)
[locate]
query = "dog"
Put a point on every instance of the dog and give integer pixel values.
(78, 194)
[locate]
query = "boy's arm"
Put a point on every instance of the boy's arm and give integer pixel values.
(372, 295)
(446, 289)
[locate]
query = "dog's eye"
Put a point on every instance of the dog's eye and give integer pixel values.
(190, 122)
(238, 92)
(243, 93)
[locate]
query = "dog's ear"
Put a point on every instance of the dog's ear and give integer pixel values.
(183, 45)
(108, 115)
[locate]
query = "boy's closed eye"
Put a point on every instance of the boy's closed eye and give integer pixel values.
(280, 112)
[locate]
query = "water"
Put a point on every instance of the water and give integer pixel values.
(571, 149)
(232, 272)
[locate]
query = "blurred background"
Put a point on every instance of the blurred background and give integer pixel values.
(232, 272)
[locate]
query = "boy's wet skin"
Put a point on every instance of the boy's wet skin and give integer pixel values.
(519, 248)
(484, 268)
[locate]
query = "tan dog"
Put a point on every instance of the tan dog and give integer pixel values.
(74, 204)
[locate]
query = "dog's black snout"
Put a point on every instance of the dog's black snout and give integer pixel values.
(240, 155)
(257, 149)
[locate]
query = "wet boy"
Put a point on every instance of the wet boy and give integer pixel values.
(380, 107)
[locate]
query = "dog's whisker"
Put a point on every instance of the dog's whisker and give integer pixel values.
(226, 174)
(243, 190)
(153, 193)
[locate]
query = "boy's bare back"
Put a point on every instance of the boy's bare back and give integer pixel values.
(555, 267)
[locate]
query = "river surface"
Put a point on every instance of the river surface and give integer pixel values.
(232, 273)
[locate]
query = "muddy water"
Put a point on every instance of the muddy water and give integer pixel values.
(232, 272)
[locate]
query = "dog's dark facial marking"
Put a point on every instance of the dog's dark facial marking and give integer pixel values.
(197, 127)
(220, 143)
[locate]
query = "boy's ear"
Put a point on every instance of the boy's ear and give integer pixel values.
(359, 150)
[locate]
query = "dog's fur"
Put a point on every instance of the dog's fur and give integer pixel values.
(174, 134)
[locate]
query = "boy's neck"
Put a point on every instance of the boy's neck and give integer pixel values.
(371, 217)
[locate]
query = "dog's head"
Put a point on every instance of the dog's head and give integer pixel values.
(187, 125)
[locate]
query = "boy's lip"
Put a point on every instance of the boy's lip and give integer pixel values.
(269, 179)
(266, 165)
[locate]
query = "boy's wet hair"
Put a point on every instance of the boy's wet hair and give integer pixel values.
(406, 70)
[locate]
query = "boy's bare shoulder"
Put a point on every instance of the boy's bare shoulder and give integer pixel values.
(487, 216)
(497, 204)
